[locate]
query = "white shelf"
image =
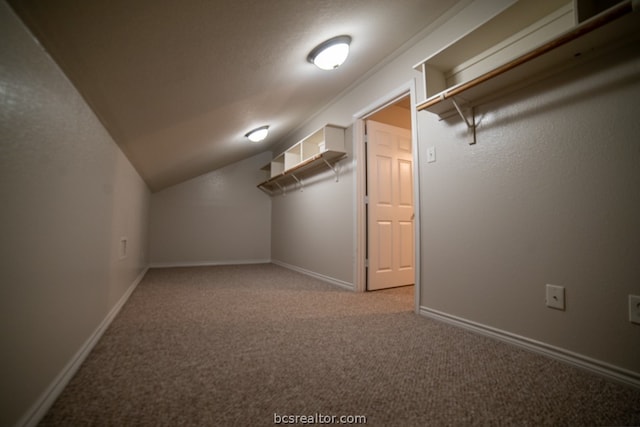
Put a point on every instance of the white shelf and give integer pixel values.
(292, 156)
(322, 147)
(518, 44)
(277, 165)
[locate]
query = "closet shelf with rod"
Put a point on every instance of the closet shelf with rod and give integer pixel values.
(525, 41)
(320, 150)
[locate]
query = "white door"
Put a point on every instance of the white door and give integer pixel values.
(390, 208)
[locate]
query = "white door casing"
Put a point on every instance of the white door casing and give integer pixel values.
(390, 209)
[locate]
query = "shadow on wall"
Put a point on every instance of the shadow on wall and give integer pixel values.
(577, 85)
(320, 175)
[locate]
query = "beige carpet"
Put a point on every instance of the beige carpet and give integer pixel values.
(234, 345)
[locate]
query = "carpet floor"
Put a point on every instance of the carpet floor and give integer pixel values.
(257, 344)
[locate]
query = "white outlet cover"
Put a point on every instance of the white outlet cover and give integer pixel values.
(634, 309)
(555, 297)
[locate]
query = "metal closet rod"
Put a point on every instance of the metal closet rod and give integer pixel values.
(587, 26)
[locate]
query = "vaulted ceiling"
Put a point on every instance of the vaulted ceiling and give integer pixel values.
(178, 83)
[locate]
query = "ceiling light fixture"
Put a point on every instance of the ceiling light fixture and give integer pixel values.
(258, 134)
(330, 54)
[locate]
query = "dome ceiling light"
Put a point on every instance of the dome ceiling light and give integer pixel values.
(330, 54)
(258, 134)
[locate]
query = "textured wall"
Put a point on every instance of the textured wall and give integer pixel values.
(219, 217)
(68, 196)
(550, 194)
(313, 228)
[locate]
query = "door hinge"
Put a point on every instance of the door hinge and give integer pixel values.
(366, 138)
(366, 263)
(366, 200)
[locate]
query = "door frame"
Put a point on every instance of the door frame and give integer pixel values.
(360, 232)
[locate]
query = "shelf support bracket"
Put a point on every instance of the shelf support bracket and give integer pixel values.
(471, 124)
(334, 169)
(284, 190)
(298, 181)
(265, 190)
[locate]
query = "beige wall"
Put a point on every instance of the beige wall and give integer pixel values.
(68, 196)
(548, 195)
(217, 218)
(312, 229)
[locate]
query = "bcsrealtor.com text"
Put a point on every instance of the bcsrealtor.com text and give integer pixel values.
(319, 419)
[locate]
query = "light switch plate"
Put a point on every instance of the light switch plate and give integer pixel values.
(431, 154)
(555, 297)
(123, 248)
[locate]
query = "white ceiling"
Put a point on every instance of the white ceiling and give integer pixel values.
(179, 82)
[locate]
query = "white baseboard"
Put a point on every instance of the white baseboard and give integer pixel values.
(44, 402)
(595, 366)
(208, 263)
(328, 279)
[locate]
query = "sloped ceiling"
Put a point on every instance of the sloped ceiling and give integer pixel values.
(178, 83)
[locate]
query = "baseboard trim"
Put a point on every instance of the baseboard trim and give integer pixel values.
(328, 279)
(595, 366)
(42, 405)
(208, 263)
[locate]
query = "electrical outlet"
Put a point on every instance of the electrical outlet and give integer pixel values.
(555, 297)
(634, 309)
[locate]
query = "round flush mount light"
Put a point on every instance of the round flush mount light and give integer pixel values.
(330, 54)
(258, 134)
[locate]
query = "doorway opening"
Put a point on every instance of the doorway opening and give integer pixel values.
(389, 197)
(387, 210)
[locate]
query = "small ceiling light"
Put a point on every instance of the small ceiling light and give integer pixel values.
(330, 54)
(258, 134)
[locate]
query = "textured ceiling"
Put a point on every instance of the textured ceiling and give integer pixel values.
(179, 83)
